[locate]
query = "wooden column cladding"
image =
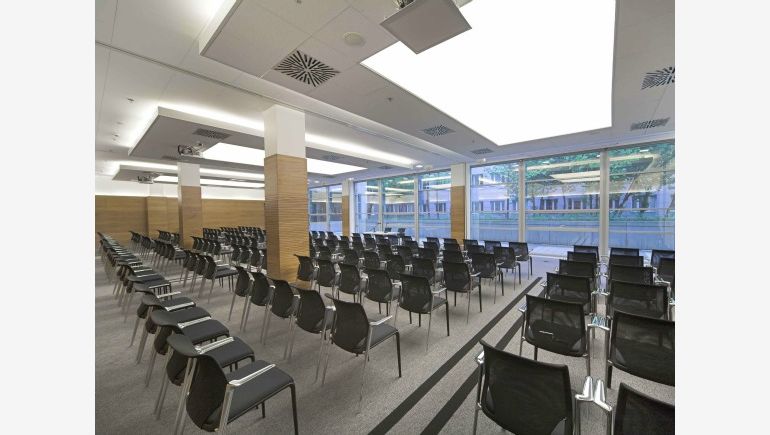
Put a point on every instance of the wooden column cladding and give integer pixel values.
(286, 214)
(457, 213)
(119, 215)
(190, 214)
(345, 215)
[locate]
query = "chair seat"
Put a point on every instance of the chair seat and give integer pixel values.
(232, 352)
(149, 300)
(252, 393)
(150, 276)
(222, 273)
(205, 331)
(380, 333)
(174, 317)
(648, 361)
(438, 302)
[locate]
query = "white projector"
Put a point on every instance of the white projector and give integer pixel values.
(421, 24)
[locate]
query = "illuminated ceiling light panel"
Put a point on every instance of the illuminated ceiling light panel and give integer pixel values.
(573, 175)
(443, 177)
(332, 144)
(525, 71)
(396, 189)
(251, 156)
(211, 182)
(232, 174)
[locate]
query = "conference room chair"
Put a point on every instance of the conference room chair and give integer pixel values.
(568, 288)
(556, 326)
(405, 253)
(306, 271)
(426, 268)
(659, 254)
(486, 266)
(349, 281)
(490, 245)
(353, 331)
(181, 315)
(326, 275)
(228, 352)
(380, 288)
(372, 260)
(453, 247)
(313, 316)
(639, 299)
(152, 302)
(626, 260)
(624, 251)
(522, 256)
(504, 393)
(578, 268)
(637, 413)
(395, 267)
(469, 242)
(216, 398)
(283, 304)
(212, 271)
(350, 257)
(474, 249)
(505, 256)
(459, 279)
(665, 273)
(641, 346)
(417, 296)
(452, 255)
(586, 257)
(242, 288)
(641, 275)
(587, 248)
(260, 295)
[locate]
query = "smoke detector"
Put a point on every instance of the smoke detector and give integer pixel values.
(189, 150)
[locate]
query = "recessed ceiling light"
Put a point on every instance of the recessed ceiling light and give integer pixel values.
(418, 166)
(644, 151)
(354, 39)
(558, 86)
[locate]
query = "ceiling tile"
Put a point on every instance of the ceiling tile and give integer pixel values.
(353, 21)
(105, 19)
(308, 15)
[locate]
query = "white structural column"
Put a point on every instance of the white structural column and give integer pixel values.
(190, 203)
(459, 213)
(604, 203)
(522, 200)
(286, 210)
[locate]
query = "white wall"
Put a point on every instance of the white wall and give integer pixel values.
(106, 186)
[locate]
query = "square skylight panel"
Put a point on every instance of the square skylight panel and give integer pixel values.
(525, 71)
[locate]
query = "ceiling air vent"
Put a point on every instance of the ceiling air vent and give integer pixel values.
(438, 130)
(211, 133)
(649, 124)
(658, 77)
(482, 151)
(306, 69)
(385, 167)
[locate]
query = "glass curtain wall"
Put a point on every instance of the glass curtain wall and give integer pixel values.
(495, 202)
(562, 200)
(325, 208)
(642, 197)
(398, 200)
(367, 206)
(434, 204)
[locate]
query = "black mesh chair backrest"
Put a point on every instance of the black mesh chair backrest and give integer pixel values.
(324, 253)
(640, 299)
(577, 268)
(383, 248)
(350, 257)
(358, 247)
(457, 277)
(454, 256)
(343, 244)
(450, 241)
(243, 282)
(454, 247)
(666, 269)
(485, 264)
(490, 245)
(260, 288)
(617, 272)
(310, 315)
(371, 260)
(256, 258)
(556, 326)
(624, 251)
(432, 240)
(586, 257)
(643, 347)
(415, 293)
(432, 245)
(326, 273)
(505, 255)
(627, 260)
(569, 288)
(395, 267)
(637, 413)
(331, 244)
(283, 297)
(424, 267)
(405, 253)
(521, 249)
(427, 253)
(351, 326)
(393, 240)
(658, 254)
(305, 268)
(350, 279)
(207, 391)
(525, 396)
(475, 249)
(586, 248)
(469, 242)
(380, 287)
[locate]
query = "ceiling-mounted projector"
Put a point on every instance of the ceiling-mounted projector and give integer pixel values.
(147, 178)
(189, 150)
(421, 24)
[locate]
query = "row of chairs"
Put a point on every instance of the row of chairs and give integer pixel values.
(198, 349)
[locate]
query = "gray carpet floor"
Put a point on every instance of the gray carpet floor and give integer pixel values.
(124, 405)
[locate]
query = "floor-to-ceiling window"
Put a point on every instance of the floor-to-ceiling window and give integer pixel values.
(325, 208)
(335, 208)
(495, 202)
(317, 202)
(367, 206)
(398, 204)
(562, 200)
(642, 196)
(434, 204)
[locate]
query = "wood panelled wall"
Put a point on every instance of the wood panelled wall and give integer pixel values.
(118, 215)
